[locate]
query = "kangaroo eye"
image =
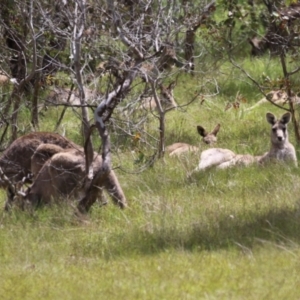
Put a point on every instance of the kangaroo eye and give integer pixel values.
(283, 129)
(274, 129)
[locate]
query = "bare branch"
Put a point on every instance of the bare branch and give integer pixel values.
(294, 71)
(256, 83)
(12, 186)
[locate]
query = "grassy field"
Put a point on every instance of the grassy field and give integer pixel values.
(229, 234)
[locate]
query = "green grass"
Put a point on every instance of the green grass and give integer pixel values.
(196, 275)
(228, 234)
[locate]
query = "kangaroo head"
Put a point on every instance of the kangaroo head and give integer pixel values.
(167, 97)
(279, 133)
(209, 137)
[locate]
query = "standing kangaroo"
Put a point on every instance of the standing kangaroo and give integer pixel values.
(209, 138)
(281, 149)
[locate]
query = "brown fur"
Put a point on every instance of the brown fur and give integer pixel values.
(63, 176)
(41, 155)
(15, 161)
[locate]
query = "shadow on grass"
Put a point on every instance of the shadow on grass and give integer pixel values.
(277, 227)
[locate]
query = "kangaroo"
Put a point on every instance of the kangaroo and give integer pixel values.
(278, 97)
(166, 98)
(61, 173)
(15, 161)
(41, 155)
(21, 159)
(60, 95)
(224, 158)
(281, 149)
(209, 138)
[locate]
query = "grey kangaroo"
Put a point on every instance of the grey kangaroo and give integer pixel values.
(281, 148)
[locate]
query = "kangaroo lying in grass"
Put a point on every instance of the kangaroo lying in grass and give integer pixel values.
(281, 149)
(224, 158)
(209, 138)
(278, 97)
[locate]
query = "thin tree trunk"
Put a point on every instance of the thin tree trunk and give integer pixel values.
(289, 93)
(161, 146)
(65, 108)
(35, 102)
(78, 32)
(14, 116)
(189, 49)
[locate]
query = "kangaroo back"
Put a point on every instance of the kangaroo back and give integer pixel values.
(15, 161)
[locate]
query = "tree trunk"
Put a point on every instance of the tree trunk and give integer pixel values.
(162, 113)
(290, 100)
(14, 117)
(189, 49)
(35, 102)
(76, 48)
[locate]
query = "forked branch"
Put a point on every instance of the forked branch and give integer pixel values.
(11, 186)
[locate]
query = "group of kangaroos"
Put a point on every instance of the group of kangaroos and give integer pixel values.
(281, 149)
(54, 167)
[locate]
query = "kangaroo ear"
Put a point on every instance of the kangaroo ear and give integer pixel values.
(270, 118)
(216, 130)
(202, 131)
(286, 118)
